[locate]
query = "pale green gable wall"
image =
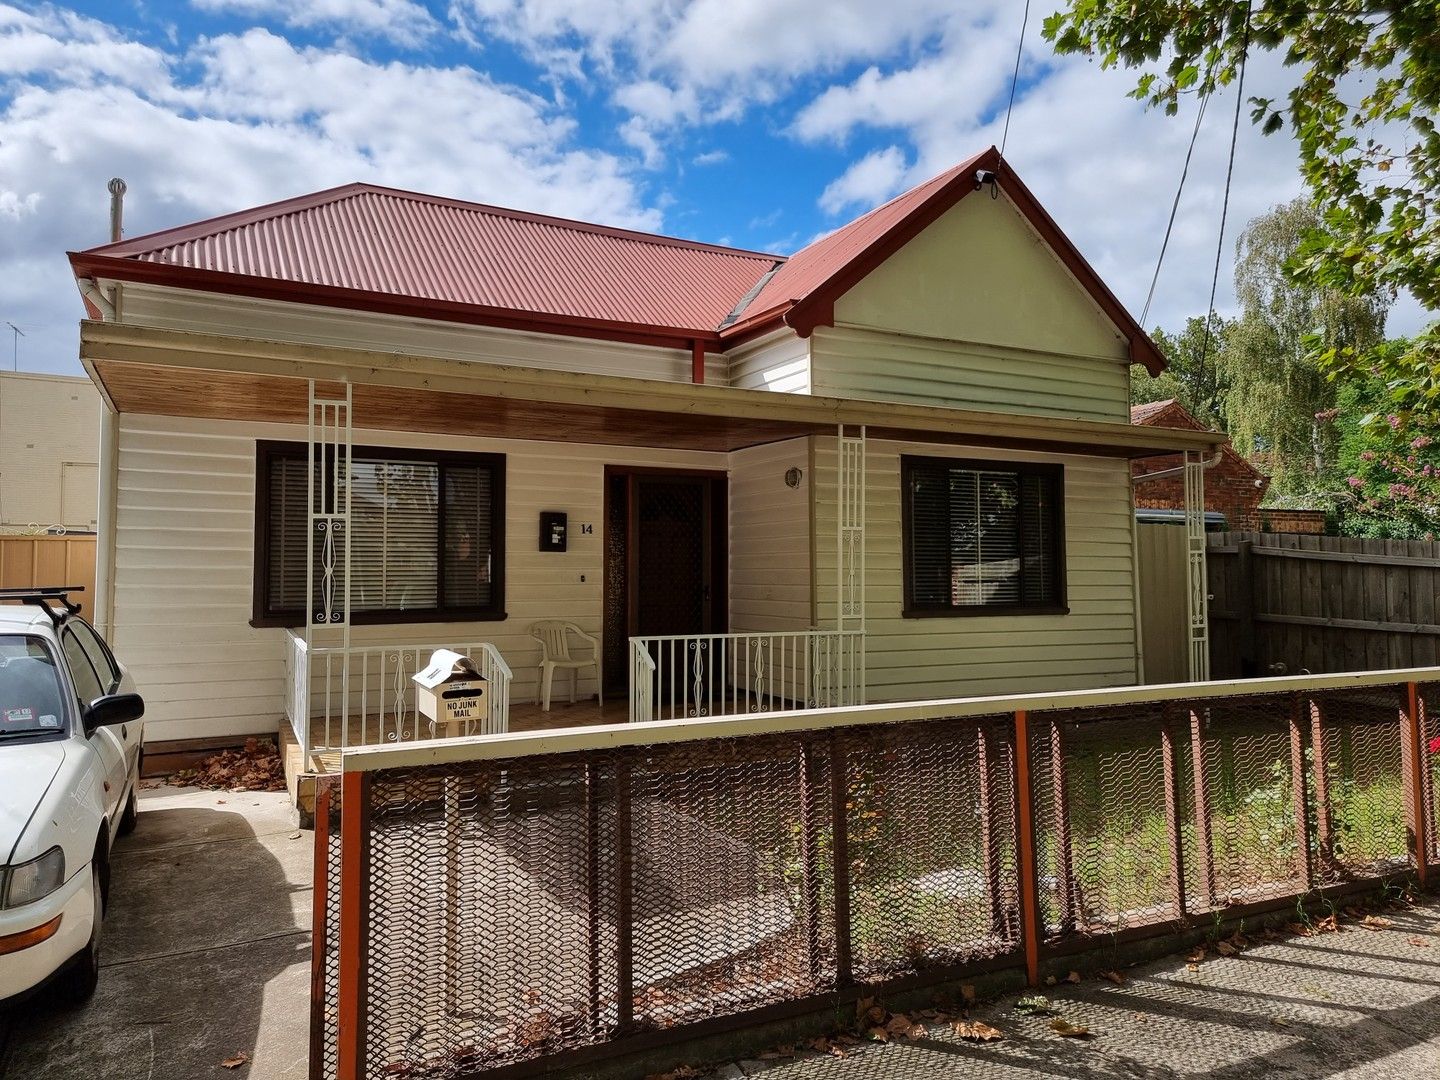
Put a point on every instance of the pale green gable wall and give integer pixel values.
(975, 312)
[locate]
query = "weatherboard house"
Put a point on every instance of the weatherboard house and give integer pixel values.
(350, 427)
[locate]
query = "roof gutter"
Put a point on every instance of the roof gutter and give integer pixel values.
(1163, 473)
(93, 293)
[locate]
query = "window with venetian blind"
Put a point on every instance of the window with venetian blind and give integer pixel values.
(426, 543)
(982, 537)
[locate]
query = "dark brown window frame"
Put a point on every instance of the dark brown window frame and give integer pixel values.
(1053, 472)
(262, 615)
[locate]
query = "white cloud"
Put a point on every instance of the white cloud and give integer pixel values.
(868, 182)
(707, 60)
(253, 118)
(711, 157)
(1103, 166)
(399, 21)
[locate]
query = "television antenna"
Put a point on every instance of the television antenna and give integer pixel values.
(15, 352)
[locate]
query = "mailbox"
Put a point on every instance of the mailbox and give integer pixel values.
(451, 691)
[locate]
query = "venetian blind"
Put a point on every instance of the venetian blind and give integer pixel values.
(396, 552)
(981, 537)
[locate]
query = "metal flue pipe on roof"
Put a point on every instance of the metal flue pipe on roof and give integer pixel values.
(116, 187)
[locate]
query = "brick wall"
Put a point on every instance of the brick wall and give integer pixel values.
(1230, 489)
(1294, 521)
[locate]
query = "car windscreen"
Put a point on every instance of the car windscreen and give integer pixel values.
(31, 702)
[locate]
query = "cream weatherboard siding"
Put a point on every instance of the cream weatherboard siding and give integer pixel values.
(975, 312)
(184, 564)
(770, 538)
(778, 362)
(917, 659)
(858, 362)
(272, 320)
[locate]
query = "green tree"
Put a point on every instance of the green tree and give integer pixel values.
(1197, 375)
(1277, 387)
(1389, 465)
(1362, 105)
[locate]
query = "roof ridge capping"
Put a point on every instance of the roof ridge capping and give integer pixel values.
(295, 204)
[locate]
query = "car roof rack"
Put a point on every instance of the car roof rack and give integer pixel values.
(45, 597)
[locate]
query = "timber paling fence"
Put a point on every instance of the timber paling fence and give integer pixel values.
(1321, 603)
(520, 903)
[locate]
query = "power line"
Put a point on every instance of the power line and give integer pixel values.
(1175, 206)
(1015, 78)
(1225, 204)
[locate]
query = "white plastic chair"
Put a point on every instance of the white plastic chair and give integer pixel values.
(554, 638)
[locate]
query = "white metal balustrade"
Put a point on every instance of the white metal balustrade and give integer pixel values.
(677, 676)
(365, 696)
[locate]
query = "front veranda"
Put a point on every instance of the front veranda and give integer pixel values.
(725, 534)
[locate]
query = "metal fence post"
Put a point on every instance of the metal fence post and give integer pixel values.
(840, 851)
(625, 900)
(354, 923)
(1025, 851)
(319, 931)
(1173, 831)
(1204, 840)
(1320, 765)
(809, 857)
(1304, 866)
(592, 894)
(1064, 851)
(1427, 783)
(1412, 765)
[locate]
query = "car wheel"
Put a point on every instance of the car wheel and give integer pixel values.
(131, 814)
(77, 984)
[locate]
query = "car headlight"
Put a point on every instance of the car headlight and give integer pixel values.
(35, 879)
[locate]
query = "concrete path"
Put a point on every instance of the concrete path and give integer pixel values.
(206, 951)
(1355, 1004)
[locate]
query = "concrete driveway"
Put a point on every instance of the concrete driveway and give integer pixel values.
(206, 951)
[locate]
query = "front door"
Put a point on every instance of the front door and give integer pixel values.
(665, 566)
(670, 556)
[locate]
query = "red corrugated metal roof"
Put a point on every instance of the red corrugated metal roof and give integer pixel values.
(399, 243)
(812, 266)
(377, 248)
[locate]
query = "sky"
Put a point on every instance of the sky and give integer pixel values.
(761, 124)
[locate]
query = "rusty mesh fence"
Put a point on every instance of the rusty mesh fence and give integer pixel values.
(522, 912)
(1429, 710)
(325, 944)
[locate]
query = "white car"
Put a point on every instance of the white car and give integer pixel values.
(70, 739)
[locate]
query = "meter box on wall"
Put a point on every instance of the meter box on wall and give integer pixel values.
(451, 691)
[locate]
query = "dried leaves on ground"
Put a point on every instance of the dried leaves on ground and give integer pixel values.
(1064, 1027)
(977, 1031)
(235, 1060)
(256, 767)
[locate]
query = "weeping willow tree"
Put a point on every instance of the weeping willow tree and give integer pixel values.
(1278, 397)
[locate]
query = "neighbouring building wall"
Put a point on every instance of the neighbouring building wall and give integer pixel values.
(975, 312)
(1230, 489)
(770, 538)
(917, 659)
(49, 449)
(271, 320)
(1278, 520)
(184, 565)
